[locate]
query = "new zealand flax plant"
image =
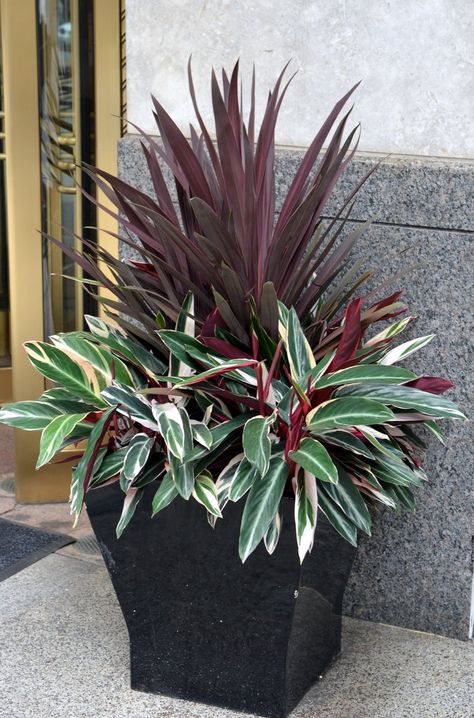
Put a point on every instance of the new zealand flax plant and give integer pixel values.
(235, 362)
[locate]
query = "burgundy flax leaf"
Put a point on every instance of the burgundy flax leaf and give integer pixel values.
(350, 338)
(431, 384)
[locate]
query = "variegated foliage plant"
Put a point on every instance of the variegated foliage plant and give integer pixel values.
(337, 432)
(239, 366)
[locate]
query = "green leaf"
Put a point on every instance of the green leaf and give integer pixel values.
(315, 459)
(106, 366)
(430, 425)
(223, 484)
(186, 324)
(256, 442)
(273, 533)
(345, 495)
(136, 457)
(201, 433)
(54, 434)
(336, 518)
(306, 511)
(130, 403)
(83, 471)
(346, 440)
(186, 348)
(391, 331)
(28, 415)
(394, 471)
(116, 340)
(165, 494)
(347, 412)
(205, 492)
(152, 471)
(372, 373)
(299, 352)
(243, 479)
(261, 506)
(56, 365)
(183, 476)
(401, 352)
(110, 466)
(321, 366)
(405, 397)
(224, 367)
(131, 502)
(170, 423)
(405, 497)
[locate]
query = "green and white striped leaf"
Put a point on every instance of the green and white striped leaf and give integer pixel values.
(336, 517)
(152, 471)
(389, 332)
(28, 415)
(372, 373)
(256, 442)
(83, 472)
(183, 476)
(404, 397)
(401, 352)
(261, 506)
(347, 497)
(306, 511)
(201, 433)
(223, 484)
(110, 466)
(314, 458)
(347, 412)
(186, 324)
(116, 340)
(106, 366)
(430, 425)
(132, 499)
(243, 479)
(56, 365)
(346, 440)
(130, 404)
(395, 471)
(273, 533)
(136, 457)
(299, 352)
(170, 423)
(321, 366)
(165, 494)
(205, 492)
(379, 440)
(54, 435)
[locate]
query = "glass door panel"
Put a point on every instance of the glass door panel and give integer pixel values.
(67, 128)
(5, 352)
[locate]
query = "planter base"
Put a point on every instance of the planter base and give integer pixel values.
(204, 627)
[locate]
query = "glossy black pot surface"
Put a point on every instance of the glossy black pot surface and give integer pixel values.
(204, 627)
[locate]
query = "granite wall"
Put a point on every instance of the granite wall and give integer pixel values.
(416, 570)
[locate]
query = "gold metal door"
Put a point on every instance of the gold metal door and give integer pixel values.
(61, 64)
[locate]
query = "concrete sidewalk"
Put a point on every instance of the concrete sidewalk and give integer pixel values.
(64, 654)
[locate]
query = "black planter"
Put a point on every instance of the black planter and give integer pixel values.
(202, 626)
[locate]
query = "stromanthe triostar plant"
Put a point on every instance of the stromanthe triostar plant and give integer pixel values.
(241, 364)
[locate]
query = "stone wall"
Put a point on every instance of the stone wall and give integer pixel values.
(416, 570)
(414, 58)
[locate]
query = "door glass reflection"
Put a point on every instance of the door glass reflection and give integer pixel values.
(5, 359)
(65, 61)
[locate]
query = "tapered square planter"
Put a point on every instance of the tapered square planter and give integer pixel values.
(205, 627)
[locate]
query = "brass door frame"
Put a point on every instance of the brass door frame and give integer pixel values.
(19, 28)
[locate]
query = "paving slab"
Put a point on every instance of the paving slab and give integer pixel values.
(64, 654)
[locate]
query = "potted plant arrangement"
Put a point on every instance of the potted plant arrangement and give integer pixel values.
(238, 407)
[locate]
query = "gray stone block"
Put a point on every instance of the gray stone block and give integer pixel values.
(416, 570)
